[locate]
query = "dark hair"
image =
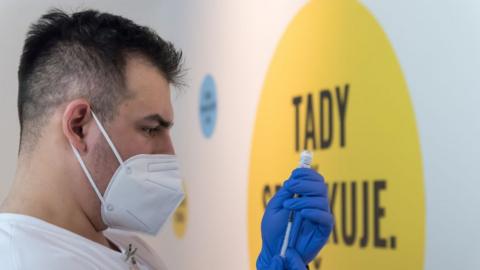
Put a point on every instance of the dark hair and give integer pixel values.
(83, 55)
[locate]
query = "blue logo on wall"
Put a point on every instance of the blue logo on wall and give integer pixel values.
(208, 106)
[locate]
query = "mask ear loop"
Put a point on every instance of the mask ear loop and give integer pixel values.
(84, 167)
(109, 141)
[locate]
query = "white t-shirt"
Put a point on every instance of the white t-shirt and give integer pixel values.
(29, 243)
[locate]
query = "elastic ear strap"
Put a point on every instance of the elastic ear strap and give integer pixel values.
(87, 173)
(105, 134)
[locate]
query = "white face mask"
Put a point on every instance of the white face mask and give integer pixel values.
(143, 193)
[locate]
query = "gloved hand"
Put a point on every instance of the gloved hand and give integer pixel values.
(311, 227)
(293, 261)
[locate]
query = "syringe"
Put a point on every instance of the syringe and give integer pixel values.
(305, 162)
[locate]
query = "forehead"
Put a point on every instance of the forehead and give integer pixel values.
(149, 89)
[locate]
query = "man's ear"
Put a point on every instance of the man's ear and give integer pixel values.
(76, 116)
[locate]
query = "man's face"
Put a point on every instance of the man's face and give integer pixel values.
(141, 125)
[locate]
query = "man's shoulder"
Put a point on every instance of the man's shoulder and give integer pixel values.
(20, 229)
(26, 243)
(8, 254)
(21, 250)
(16, 228)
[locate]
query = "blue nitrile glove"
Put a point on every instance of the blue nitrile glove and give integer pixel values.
(312, 224)
(292, 261)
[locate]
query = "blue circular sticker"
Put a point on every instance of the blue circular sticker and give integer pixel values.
(208, 106)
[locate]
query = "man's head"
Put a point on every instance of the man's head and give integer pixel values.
(83, 56)
(90, 61)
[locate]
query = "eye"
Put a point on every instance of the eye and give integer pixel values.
(151, 132)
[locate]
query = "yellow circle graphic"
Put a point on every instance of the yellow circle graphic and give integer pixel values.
(335, 87)
(180, 217)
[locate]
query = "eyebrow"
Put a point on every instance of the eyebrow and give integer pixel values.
(160, 120)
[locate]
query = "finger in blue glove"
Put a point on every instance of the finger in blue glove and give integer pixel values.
(277, 263)
(294, 261)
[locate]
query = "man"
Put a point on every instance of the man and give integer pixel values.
(95, 153)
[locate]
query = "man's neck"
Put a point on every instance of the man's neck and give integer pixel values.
(35, 194)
